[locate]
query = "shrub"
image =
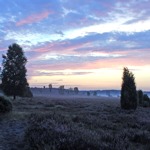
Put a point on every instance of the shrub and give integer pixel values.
(61, 89)
(140, 96)
(5, 104)
(95, 93)
(145, 104)
(27, 92)
(146, 100)
(88, 93)
(142, 137)
(50, 87)
(76, 90)
(128, 91)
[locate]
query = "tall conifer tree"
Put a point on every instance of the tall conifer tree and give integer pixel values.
(14, 81)
(128, 90)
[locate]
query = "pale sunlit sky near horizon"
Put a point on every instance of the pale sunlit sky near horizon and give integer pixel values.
(84, 43)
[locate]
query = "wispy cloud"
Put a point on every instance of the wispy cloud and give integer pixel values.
(60, 73)
(34, 18)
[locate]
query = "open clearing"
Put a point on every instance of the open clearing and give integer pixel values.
(97, 118)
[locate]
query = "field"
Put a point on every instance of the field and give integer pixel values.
(79, 122)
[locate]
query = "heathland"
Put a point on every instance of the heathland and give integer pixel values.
(63, 122)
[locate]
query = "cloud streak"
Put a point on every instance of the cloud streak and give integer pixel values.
(34, 18)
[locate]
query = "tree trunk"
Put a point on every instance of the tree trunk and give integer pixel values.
(14, 91)
(14, 96)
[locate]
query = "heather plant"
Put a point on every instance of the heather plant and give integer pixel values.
(5, 104)
(57, 133)
(28, 92)
(61, 132)
(128, 91)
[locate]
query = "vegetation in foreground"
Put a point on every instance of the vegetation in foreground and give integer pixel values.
(45, 123)
(5, 104)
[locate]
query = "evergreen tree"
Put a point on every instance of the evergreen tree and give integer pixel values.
(128, 91)
(146, 100)
(13, 75)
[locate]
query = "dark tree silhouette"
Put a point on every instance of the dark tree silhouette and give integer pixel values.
(61, 89)
(13, 75)
(146, 100)
(140, 96)
(95, 93)
(50, 87)
(88, 93)
(76, 90)
(128, 90)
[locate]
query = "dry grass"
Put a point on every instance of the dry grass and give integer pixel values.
(74, 123)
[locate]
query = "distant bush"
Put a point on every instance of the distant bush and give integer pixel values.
(61, 89)
(95, 93)
(76, 90)
(70, 90)
(28, 93)
(50, 87)
(146, 101)
(88, 93)
(146, 98)
(5, 104)
(140, 97)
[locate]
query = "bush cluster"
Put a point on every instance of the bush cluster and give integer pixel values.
(27, 93)
(146, 101)
(143, 99)
(5, 104)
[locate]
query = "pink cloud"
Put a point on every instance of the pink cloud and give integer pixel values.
(63, 47)
(34, 18)
(2, 49)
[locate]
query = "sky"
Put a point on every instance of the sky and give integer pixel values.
(83, 43)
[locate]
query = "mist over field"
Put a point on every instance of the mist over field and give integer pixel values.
(99, 93)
